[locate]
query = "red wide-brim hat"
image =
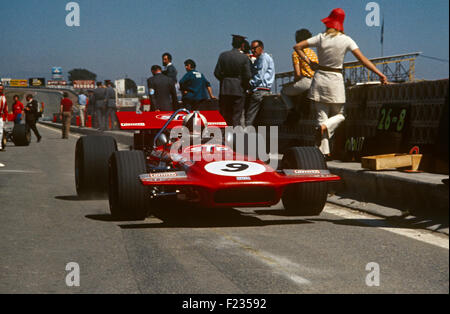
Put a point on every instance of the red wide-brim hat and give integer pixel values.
(335, 19)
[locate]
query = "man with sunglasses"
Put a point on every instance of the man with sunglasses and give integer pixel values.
(263, 77)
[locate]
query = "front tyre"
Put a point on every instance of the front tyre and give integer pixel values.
(305, 199)
(128, 198)
(91, 165)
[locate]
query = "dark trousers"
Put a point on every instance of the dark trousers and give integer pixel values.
(100, 114)
(32, 125)
(231, 108)
(253, 105)
(111, 114)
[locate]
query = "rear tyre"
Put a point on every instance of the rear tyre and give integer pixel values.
(91, 165)
(305, 199)
(21, 135)
(128, 198)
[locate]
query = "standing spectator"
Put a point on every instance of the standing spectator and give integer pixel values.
(3, 115)
(162, 91)
(263, 71)
(17, 108)
(233, 72)
(111, 109)
(82, 101)
(327, 88)
(66, 113)
(169, 68)
(90, 108)
(100, 106)
(303, 74)
(32, 115)
(194, 87)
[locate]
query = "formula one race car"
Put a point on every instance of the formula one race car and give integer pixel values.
(191, 165)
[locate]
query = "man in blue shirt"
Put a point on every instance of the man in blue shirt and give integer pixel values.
(263, 76)
(82, 101)
(194, 87)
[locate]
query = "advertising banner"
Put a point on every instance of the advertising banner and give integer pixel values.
(18, 83)
(84, 84)
(57, 73)
(37, 82)
(56, 84)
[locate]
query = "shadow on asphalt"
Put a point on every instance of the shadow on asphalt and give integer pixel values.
(395, 222)
(105, 218)
(79, 199)
(208, 218)
(410, 222)
(68, 198)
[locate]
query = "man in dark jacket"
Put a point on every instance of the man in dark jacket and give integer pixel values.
(162, 91)
(100, 106)
(32, 115)
(169, 68)
(233, 72)
(110, 101)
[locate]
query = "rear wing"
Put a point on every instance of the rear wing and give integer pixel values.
(130, 120)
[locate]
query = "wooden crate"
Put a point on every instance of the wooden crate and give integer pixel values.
(389, 161)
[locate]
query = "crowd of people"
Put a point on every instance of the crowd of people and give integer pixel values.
(246, 74)
(30, 113)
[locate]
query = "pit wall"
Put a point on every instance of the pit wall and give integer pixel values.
(384, 119)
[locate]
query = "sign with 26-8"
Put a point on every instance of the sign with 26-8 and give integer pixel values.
(393, 117)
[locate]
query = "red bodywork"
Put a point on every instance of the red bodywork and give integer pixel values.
(215, 182)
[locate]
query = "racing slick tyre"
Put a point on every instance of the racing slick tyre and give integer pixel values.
(91, 165)
(305, 199)
(21, 135)
(128, 197)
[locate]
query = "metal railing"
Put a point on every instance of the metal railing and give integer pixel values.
(394, 67)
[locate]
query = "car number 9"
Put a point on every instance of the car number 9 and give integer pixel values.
(235, 168)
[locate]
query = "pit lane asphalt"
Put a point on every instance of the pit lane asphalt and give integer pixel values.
(44, 226)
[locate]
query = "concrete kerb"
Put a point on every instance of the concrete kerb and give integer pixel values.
(380, 193)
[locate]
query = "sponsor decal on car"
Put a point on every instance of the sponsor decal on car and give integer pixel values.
(243, 179)
(133, 124)
(165, 117)
(163, 176)
(209, 148)
(307, 173)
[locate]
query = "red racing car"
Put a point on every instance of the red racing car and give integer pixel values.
(173, 158)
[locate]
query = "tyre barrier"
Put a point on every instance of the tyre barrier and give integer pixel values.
(424, 100)
(273, 111)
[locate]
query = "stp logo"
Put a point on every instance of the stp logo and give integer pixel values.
(179, 117)
(211, 148)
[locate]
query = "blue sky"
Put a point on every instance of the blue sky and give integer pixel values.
(119, 38)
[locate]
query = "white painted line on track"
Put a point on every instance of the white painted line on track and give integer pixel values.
(279, 265)
(429, 237)
(20, 171)
(120, 146)
(58, 130)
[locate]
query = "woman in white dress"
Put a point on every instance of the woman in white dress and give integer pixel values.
(327, 88)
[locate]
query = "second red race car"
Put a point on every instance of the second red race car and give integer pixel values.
(175, 156)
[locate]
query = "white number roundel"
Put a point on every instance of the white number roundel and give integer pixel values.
(235, 168)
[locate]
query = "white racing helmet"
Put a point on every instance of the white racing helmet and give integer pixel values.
(195, 122)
